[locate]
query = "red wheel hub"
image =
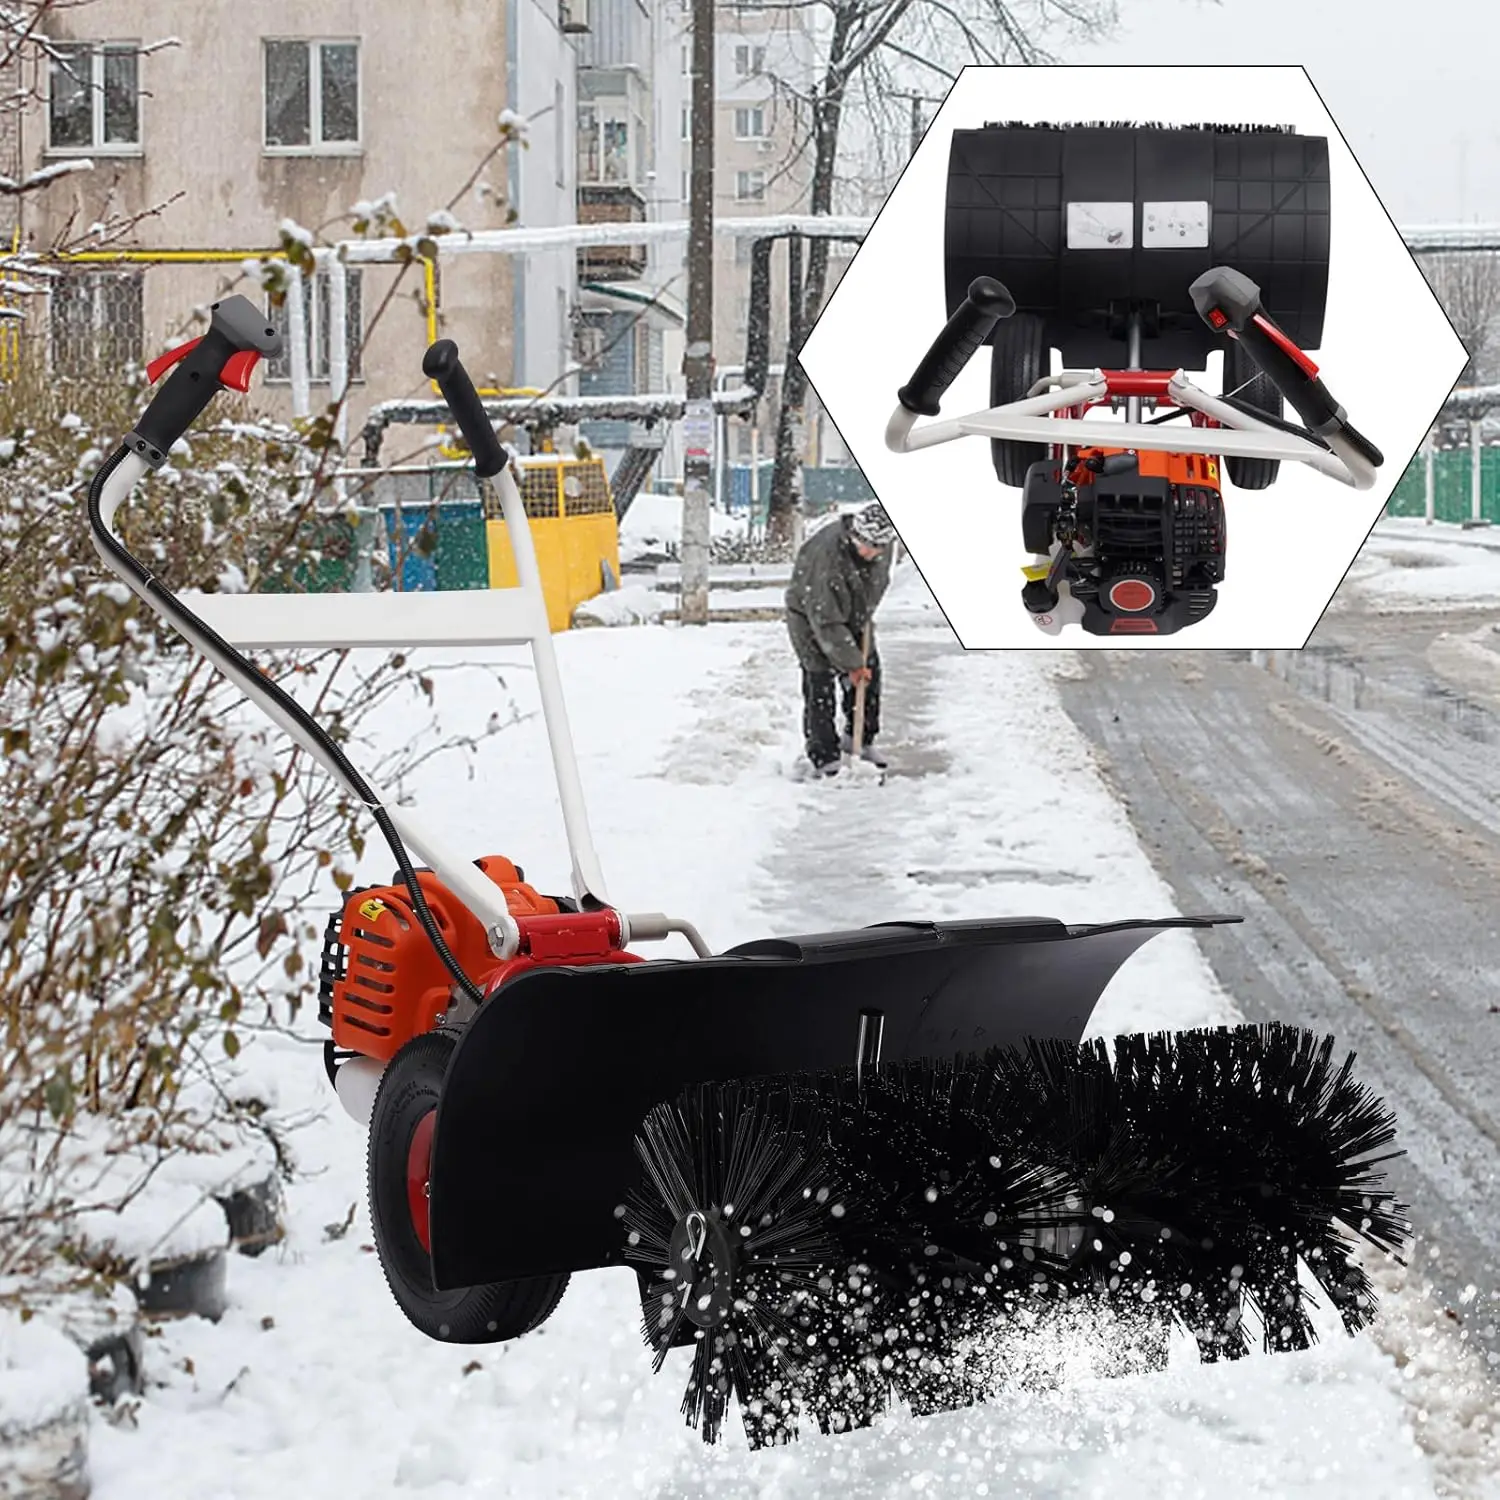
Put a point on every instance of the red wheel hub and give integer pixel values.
(418, 1173)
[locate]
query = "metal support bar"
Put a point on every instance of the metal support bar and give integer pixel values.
(297, 343)
(1476, 471)
(1238, 435)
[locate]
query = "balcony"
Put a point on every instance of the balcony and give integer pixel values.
(610, 203)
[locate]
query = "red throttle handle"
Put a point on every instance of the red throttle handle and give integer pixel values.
(1229, 302)
(224, 358)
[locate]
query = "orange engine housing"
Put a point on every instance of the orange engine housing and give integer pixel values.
(1199, 469)
(383, 984)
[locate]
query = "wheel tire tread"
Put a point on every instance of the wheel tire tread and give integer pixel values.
(490, 1313)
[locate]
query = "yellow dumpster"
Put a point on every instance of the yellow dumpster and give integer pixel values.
(572, 515)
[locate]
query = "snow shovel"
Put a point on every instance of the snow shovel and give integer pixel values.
(855, 758)
(511, 1054)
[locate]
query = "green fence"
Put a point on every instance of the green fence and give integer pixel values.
(1452, 473)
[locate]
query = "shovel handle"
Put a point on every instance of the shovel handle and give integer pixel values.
(858, 727)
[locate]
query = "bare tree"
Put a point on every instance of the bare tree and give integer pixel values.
(1468, 286)
(868, 47)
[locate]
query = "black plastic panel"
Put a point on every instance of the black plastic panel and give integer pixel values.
(1268, 201)
(535, 1139)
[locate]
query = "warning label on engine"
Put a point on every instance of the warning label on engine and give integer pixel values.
(371, 909)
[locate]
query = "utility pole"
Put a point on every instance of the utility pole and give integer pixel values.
(697, 362)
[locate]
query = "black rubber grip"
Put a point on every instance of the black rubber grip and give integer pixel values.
(973, 322)
(1362, 445)
(1230, 303)
(441, 363)
(238, 326)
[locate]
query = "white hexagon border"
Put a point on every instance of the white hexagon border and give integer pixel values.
(1389, 355)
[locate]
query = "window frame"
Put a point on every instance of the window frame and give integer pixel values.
(751, 113)
(96, 52)
(94, 280)
(741, 178)
(316, 146)
(313, 299)
(755, 60)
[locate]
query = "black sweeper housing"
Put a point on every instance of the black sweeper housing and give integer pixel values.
(1085, 223)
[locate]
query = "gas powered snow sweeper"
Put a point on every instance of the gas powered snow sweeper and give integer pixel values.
(841, 1164)
(1135, 250)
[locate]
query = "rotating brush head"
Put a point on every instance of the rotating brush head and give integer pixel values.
(1211, 1162)
(829, 1240)
(732, 1226)
(1297, 1171)
(952, 1232)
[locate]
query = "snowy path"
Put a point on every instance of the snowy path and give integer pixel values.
(314, 1385)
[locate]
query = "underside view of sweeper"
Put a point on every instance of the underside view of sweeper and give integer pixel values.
(836, 1162)
(1135, 251)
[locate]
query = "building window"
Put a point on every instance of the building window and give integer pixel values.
(312, 95)
(96, 322)
(559, 134)
(749, 124)
(687, 123)
(687, 186)
(94, 97)
(319, 325)
(749, 62)
(750, 187)
(687, 59)
(604, 132)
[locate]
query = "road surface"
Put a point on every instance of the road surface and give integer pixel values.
(1346, 800)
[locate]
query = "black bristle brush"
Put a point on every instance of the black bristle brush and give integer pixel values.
(730, 1226)
(1232, 129)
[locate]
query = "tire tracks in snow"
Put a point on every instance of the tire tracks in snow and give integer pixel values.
(1369, 899)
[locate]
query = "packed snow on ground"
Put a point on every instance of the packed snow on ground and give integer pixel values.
(313, 1383)
(43, 1374)
(1409, 565)
(631, 605)
(653, 524)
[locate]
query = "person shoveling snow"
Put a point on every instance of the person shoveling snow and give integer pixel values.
(838, 580)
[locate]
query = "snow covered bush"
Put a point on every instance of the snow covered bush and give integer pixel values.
(160, 844)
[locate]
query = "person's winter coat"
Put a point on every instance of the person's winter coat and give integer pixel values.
(832, 595)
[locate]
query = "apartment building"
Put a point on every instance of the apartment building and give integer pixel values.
(631, 299)
(211, 125)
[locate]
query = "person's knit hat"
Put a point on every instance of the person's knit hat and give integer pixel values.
(872, 526)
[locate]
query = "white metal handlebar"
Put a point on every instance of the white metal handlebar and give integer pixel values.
(344, 621)
(1238, 436)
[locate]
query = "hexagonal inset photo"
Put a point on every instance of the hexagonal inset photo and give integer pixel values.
(1125, 377)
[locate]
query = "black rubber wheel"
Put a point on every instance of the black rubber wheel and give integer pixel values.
(1019, 358)
(401, 1124)
(1261, 393)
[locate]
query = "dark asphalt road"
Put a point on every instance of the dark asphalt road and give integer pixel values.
(1346, 800)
